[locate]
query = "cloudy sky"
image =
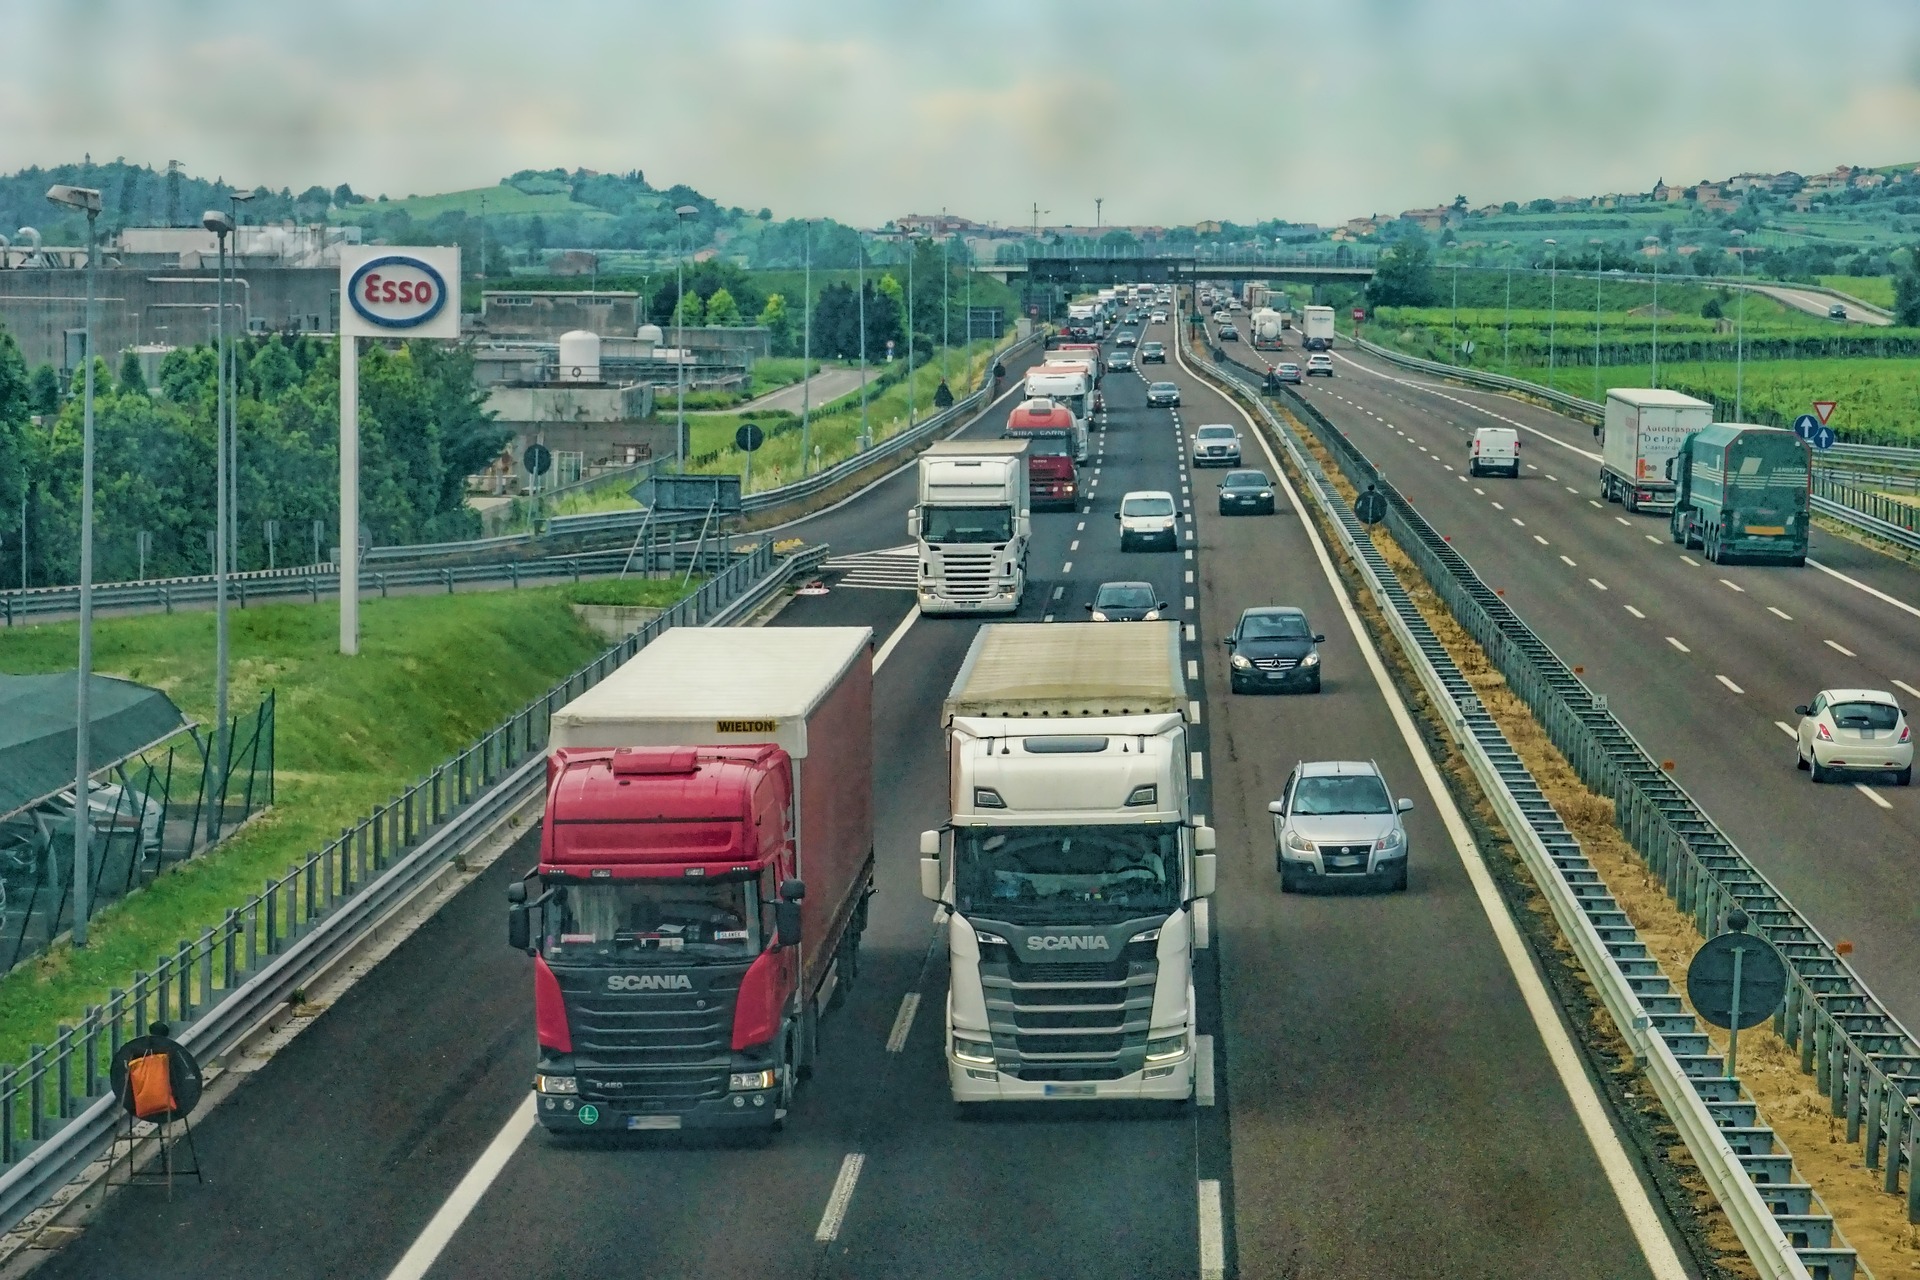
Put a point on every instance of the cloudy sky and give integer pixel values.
(1172, 110)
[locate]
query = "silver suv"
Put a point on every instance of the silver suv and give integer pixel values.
(1216, 445)
(1336, 820)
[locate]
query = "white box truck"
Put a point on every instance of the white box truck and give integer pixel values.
(1644, 429)
(972, 525)
(1317, 328)
(1076, 880)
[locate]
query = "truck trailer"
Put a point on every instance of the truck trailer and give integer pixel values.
(1644, 428)
(1743, 490)
(1076, 880)
(1268, 329)
(972, 524)
(1317, 328)
(705, 862)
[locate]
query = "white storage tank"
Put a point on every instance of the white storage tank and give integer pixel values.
(579, 356)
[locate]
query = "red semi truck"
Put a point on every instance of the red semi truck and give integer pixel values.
(705, 863)
(1052, 435)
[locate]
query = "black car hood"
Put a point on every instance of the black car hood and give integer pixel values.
(1274, 648)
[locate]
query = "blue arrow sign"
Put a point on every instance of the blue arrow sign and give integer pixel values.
(1805, 425)
(1823, 437)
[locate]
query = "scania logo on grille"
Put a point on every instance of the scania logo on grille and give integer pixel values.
(1068, 942)
(649, 982)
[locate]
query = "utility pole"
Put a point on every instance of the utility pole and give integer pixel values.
(1097, 202)
(483, 247)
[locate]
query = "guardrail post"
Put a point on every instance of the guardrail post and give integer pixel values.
(272, 898)
(1900, 1137)
(63, 1089)
(166, 599)
(8, 1088)
(162, 991)
(229, 977)
(36, 1092)
(90, 1062)
(1875, 1119)
(183, 974)
(205, 949)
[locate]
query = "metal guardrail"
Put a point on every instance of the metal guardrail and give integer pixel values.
(1864, 1058)
(56, 1115)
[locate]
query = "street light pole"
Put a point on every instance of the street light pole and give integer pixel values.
(221, 225)
(946, 313)
(806, 360)
(1506, 325)
(1653, 242)
(1599, 261)
(912, 244)
(234, 200)
(860, 259)
(87, 200)
(684, 212)
(1740, 323)
(1553, 301)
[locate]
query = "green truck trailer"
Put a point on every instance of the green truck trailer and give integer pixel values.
(1741, 491)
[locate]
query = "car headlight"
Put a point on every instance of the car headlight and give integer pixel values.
(1392, 840)
(1098, 616)
(751, 1079)
(1299, 843)
(543, 1083)
(1153, 615)
(1266, 493)
(1240, 662)
(1311, 660)
(1166, 1048)
(973, 1050)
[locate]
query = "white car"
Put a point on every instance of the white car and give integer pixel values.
(1159, 317)
(1854, 731)
(1321, 365)
(1217, 444)
(1148, 516)
(1494, 449)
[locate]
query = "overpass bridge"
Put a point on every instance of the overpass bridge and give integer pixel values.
(1183, 269)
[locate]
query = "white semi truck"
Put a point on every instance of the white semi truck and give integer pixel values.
(1268, 326)
(1644, 429)
(972, 525)
(1076, 880)
(1317, 328)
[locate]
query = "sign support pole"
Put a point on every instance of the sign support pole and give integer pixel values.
(349, 494)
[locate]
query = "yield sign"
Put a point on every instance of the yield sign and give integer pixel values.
(1825, 409)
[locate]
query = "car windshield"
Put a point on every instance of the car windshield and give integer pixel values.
(1033, 874)
(1244, 480)
(1274, 626)
(1864, 715)
(1289, 368)
(1146, 506)
(714, 917)
(1164, 387)
(1151, 346)
(966, 524)
(1125, 595)
(1329, 795)
(1216, 433)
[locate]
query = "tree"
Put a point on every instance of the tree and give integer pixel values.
(778, 322)
(722, 309)
(43, 390)
(1906, 297)
(1511, 206)
(133, 379)
(1459, 204)
(1711, 308)
(691, 313)
(273, 369)
(1542, 205)
(1404, 276)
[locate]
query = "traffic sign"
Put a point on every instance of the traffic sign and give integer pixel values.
(1359, 314)
(1761, 973)
(1824, 437)
(1370, 507)
(749, 437)
(1805, 425)
(1825, 409)
(538, 459)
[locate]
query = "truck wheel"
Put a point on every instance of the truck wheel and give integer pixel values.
(1629, 501)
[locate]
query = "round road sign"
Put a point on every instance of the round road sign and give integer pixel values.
(1370, 507)
(749, 437)
(1805, 425)
(538, 459)
(1763, 980)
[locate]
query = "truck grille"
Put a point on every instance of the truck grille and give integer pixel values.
(1071, 1021)
(654, 1050)
(969, 574)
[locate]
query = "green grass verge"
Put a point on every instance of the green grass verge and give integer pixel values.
(1875, 289)
(434, 673)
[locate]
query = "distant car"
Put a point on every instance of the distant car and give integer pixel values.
(1153, 353)
(1119, 361)
(1854, 731)
(1125, 338)
(1216, 445)
(1246, 493)
(1334, 820)
(1158, 317)
(1287, 371)
(1229, 333)
(1836, 312)
(1148, 516)
(1321, 364)
(1163, 395)
(1273, 648)
(1126, 602)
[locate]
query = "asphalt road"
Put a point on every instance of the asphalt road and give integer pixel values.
(1702, 663)
(1387, 1104)
(1818, 303)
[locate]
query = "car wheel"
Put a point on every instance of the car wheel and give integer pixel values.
(1315, 686)
(1799, 761)
(1904, 778)
(1289, 883)
(1399, 882)
(1820, 772)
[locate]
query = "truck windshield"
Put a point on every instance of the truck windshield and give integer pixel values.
(1024, 874)
(712, 917)
(1045, 444)
(966, 524)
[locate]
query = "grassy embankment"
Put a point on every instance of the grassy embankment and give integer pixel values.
(434, 674)
(1875, 289)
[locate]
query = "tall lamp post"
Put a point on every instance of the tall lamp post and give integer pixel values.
(1740, 321)
(1653, 242)
(806, 359)
(1506, 325)
(1598, 262)
(221, 225)
(866, 431)
(87, 200)
(913, 242)
(234, 200)
(684, 212)
(1553, 301)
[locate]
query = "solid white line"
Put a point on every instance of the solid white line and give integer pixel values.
(1643, 1219)
(1730, 684)
(433, 1240)
(1837, 647)
(1787, 617)
(903, 1022)
(1872, 795)
(1875, 592)
(1635, 612)
(899, 634)
(836, 1211)
(1196, 765)
(1909, 688)
(1676, 644)
(1725, 582)
(1786, 728)
(1213, 1240)
(1203, 1094)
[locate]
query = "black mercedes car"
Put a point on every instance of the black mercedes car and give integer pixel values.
(1273, 648)
(1246, 493)
(1126, 602)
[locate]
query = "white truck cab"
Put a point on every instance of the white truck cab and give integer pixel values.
(1494, 449)
(972, 525)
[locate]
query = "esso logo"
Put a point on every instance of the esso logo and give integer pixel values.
(397, 292)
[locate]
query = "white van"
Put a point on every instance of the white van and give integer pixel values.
(1494, 449)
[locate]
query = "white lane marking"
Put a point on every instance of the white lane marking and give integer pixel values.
(1909, 688)
(1189, 606)
(1189, 575)
(1875, 592)
(1837, 647)
(1047, 618)
(1196, 765)
(1674, 641)
(1193, 669)
(1568, 561)
(1554, 478)
(1597, 584)
(836, 1211)
(1482, 492)
(1732, 585)
(1571, 489)
(1498, 507)
(1652, 539)
(439, 1231)
(1623, 520)
(899, 634)
(1635, 612)
(1595, 1121)
(903, 1022)
(1213, 1240)
(1067, 567)
(1690, 560)
(1872, 795)
(1074, 545)
(1058, 592)
(1203, 1088)
(1081, 527)
(1447, 465)
(1193, 711)
(1730, 684)
(1531, 467)
(1593, 504)
(1542, 541)
(1786, 728)
(1784, 617)
(1517, 520)
(1191, 636)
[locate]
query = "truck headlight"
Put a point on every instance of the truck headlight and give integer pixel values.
(1240, 662)
(1166, 1048)
(543, 1083)
(973, 1050)
(988, 939)
(741, 1080)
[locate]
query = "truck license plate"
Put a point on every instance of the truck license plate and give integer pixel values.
(653, 1122)
(1767, 530)
(1070, 1091)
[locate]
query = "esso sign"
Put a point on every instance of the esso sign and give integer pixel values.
(397, 291)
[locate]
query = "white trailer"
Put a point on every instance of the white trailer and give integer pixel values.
(972, 525)
(1644, 430)
(1268, 326)
(1317, 328)
(1077, 880)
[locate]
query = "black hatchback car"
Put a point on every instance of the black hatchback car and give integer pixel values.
(1273, 649)
(1246, 493)
(1126, 602)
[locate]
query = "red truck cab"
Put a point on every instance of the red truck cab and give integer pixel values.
(1052, 477)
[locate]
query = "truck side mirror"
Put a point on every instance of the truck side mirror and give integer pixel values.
(913, 524)
(1116, 515)
(792, 890)
(929, 844)
(786, 924)
(1089, 608)
(1205, 840)
(1205, 874)
(1161, 606)
(930, 879)
(517, 891)
(519, 927)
